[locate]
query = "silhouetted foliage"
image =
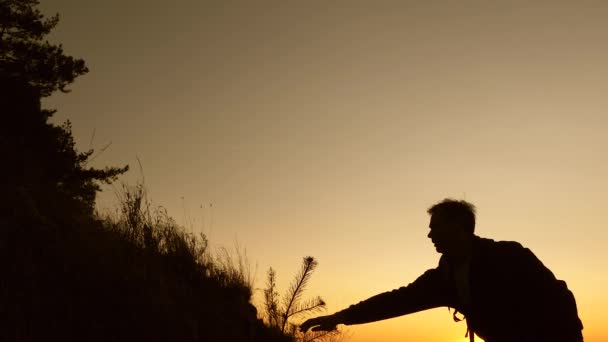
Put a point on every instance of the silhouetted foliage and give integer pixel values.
(68, 274)
(24, 54)
(132, 276)
(45, 176)
(281, 316)
(271, 300)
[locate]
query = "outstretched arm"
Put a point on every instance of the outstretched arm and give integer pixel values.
(430, 290)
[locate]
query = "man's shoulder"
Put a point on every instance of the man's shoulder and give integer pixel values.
(490, 246)
(496, 243)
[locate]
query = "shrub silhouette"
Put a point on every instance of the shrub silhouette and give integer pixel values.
(281, 314)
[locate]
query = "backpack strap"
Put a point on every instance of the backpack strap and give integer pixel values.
(470, 333)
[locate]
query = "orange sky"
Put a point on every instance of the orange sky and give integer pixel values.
(327, 129)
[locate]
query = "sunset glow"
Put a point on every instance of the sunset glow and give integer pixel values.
(328, 130)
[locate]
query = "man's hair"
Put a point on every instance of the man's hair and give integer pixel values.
(459, 211)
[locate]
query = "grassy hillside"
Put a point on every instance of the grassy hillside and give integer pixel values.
(134, 277)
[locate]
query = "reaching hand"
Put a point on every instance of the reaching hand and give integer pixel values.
(322, 323)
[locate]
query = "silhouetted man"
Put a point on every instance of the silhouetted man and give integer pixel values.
(503, 290)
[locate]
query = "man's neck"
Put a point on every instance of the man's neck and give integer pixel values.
(463, 254)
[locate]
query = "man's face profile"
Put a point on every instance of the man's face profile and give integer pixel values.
(444, 234)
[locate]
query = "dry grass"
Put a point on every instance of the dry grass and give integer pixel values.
(131, 276)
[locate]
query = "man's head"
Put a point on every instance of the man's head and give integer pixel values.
(452, 226)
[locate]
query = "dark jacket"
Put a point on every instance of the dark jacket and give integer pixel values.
(514, 297)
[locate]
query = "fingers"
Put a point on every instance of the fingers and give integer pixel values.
(311, 323)
(324, 328)
(308, 324)
(318, 324)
